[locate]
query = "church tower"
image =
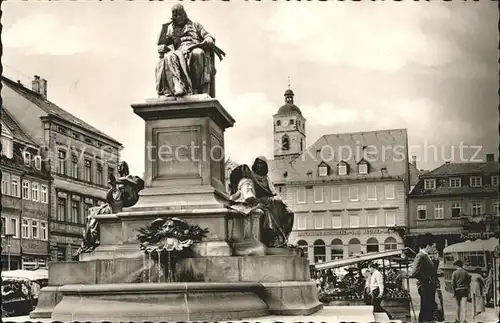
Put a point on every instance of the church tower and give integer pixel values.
(289, 130)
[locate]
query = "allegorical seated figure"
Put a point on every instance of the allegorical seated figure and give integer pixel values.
(186, 51)
(123, 192)
(253, 192)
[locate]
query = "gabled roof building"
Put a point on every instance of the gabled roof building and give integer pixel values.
(347, 189)
(79, 156)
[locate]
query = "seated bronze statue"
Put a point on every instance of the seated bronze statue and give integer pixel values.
(186, 64)
(123, 192)
(253, 192)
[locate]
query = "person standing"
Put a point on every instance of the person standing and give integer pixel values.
(366, 294)
(423, 270)
(439, 310)
(377, 290)
(460, 282)
(477, 292)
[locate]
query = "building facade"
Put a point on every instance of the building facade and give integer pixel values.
(25, 212)
(80, 158)
(456, 202)
(348, 190)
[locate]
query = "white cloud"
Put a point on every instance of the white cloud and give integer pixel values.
(46, 34)
(365, 35)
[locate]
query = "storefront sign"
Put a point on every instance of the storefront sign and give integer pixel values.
(340, 232)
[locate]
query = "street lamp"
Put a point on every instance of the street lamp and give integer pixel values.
(8, 236)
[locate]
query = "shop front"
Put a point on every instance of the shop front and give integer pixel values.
(330, 244)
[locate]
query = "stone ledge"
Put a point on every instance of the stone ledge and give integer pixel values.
(160, 302)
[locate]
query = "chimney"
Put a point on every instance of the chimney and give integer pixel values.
(414, 161)
(490, 157)
(39, 85)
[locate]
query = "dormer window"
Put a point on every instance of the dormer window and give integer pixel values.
(292, 121)
(27, 158)
(429, 184)
(322, 170)
(476, 181)
(278, 123)
(38, 162)
(455, 182)
(363, 168)
(7, 147)
(342, 169)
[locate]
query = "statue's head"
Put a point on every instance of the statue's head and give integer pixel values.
(240, 172)
(123, 169)
(179, 15)
(260, 166)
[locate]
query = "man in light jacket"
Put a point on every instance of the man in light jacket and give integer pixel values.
(377, 290)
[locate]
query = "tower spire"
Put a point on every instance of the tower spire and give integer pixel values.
(288, 82)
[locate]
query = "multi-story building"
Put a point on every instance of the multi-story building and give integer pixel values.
(347, 190)
(26, 184)
(451, 200)
(80, 158)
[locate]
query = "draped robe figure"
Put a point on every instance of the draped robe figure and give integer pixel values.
(185, 66)
(277, 222)
(123, 192)
(253, 193)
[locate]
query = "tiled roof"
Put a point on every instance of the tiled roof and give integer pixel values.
(52, 109)
(415, 174)
(388, 158)
(17, 162)
(14, 127)
(464, 169)
(443, 172)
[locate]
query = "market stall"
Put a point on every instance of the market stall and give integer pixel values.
(20, 289)
(348, 288)
(482, 254)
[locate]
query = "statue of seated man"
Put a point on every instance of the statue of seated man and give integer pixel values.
(186, 64)
(123, 192)
(253, 193)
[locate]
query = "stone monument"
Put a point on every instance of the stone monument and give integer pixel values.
(239, 264)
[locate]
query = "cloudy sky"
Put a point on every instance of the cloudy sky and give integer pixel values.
(354, 66)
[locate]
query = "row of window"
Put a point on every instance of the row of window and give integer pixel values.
(74, 210)
(372, 220)
(30, 190)
(74, 169)
(343, 169)
(30, 229)
(455, 211)
(455, 182)
(337, 247)
(78, 136)
(336, 193)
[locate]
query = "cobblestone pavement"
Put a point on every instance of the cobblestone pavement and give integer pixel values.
(450, 306)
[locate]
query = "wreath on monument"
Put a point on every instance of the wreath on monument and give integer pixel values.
(167, 239)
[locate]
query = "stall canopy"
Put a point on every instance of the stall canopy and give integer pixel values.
(38, 274)
(367, 257)
(477, 245)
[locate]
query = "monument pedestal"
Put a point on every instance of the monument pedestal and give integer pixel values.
(184, 156)
(184, 178)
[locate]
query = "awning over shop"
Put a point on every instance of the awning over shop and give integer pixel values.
(477, 245)
(38, 274)
(353, 260)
